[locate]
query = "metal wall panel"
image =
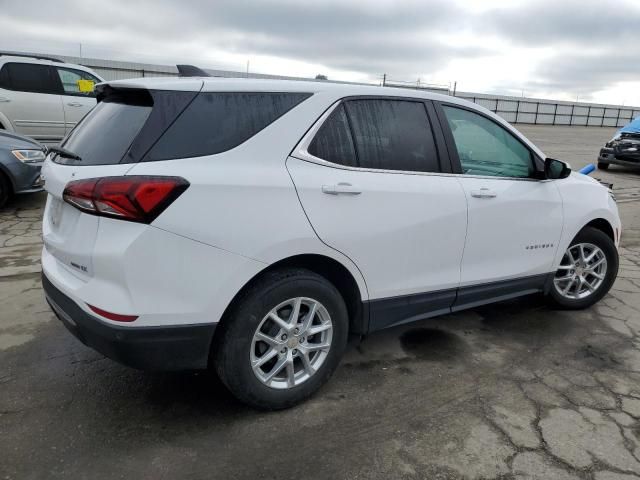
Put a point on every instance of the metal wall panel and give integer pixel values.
(508, 116)
(528, 107)
(545, 119)
(547, 108)
(565, 109)
(488, 103)
(507, 106)
(580, 110)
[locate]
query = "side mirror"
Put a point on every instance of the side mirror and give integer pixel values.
(556, 169)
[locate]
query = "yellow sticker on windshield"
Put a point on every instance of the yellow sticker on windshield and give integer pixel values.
(85, 86)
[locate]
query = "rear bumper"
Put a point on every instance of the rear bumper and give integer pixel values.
(181, 347)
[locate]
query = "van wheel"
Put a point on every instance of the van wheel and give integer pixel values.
(282, 340)
(603, 166)
(587, 270)
(5, 190)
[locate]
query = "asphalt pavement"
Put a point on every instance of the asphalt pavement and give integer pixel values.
(512, 390)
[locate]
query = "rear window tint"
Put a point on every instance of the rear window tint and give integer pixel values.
(106, 132)
(333, 141)
(217, 122)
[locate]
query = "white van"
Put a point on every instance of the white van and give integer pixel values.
(43, 97)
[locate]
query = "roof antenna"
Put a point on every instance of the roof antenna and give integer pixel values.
(191, 71)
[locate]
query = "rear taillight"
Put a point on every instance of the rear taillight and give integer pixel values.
(134, 198)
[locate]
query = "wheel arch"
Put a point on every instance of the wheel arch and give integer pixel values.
(602, 225)
(602, 221)
(329, 268)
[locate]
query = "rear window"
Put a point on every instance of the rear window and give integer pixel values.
(217, 122)
(131, 125)
(106, 133)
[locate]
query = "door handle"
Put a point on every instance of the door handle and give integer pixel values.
(74, 104)
(341, 189)
(483, 193)
(4, 100)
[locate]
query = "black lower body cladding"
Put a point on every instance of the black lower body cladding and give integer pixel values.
(146, 348)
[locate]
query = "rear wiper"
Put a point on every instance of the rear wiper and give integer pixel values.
(63, 152)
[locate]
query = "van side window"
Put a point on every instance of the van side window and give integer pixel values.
(72, 82)
(29, 77)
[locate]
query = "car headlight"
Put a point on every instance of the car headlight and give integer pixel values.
(29, 156)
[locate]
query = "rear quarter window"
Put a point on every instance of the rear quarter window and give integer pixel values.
(217, 122)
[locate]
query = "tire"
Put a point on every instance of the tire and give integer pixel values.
(5, 190)
(587, 237)
(235, 349)
(603, 166)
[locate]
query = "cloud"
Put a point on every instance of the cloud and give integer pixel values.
(576, 23)
(584, 42)
(394, 37)
(586, 73)
(593, 45)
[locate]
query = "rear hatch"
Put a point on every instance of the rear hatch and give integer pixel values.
(109, 141)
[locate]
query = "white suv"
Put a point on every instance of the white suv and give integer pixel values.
(42, 97)
(253, 225)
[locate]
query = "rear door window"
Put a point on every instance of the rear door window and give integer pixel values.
(393, 135)
(217, 122)
(29, 77)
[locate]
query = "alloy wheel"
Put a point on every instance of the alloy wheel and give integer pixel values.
(291, 343)
(581, 272)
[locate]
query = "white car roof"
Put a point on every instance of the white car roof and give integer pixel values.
(218, 84)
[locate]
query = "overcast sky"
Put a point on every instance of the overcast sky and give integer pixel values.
(548, 48)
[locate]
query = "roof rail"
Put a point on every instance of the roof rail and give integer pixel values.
(27, 55)
(191, 71)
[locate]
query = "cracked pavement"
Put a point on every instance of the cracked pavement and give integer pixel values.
(512, 391)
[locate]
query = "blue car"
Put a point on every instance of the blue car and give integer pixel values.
(21, 159)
